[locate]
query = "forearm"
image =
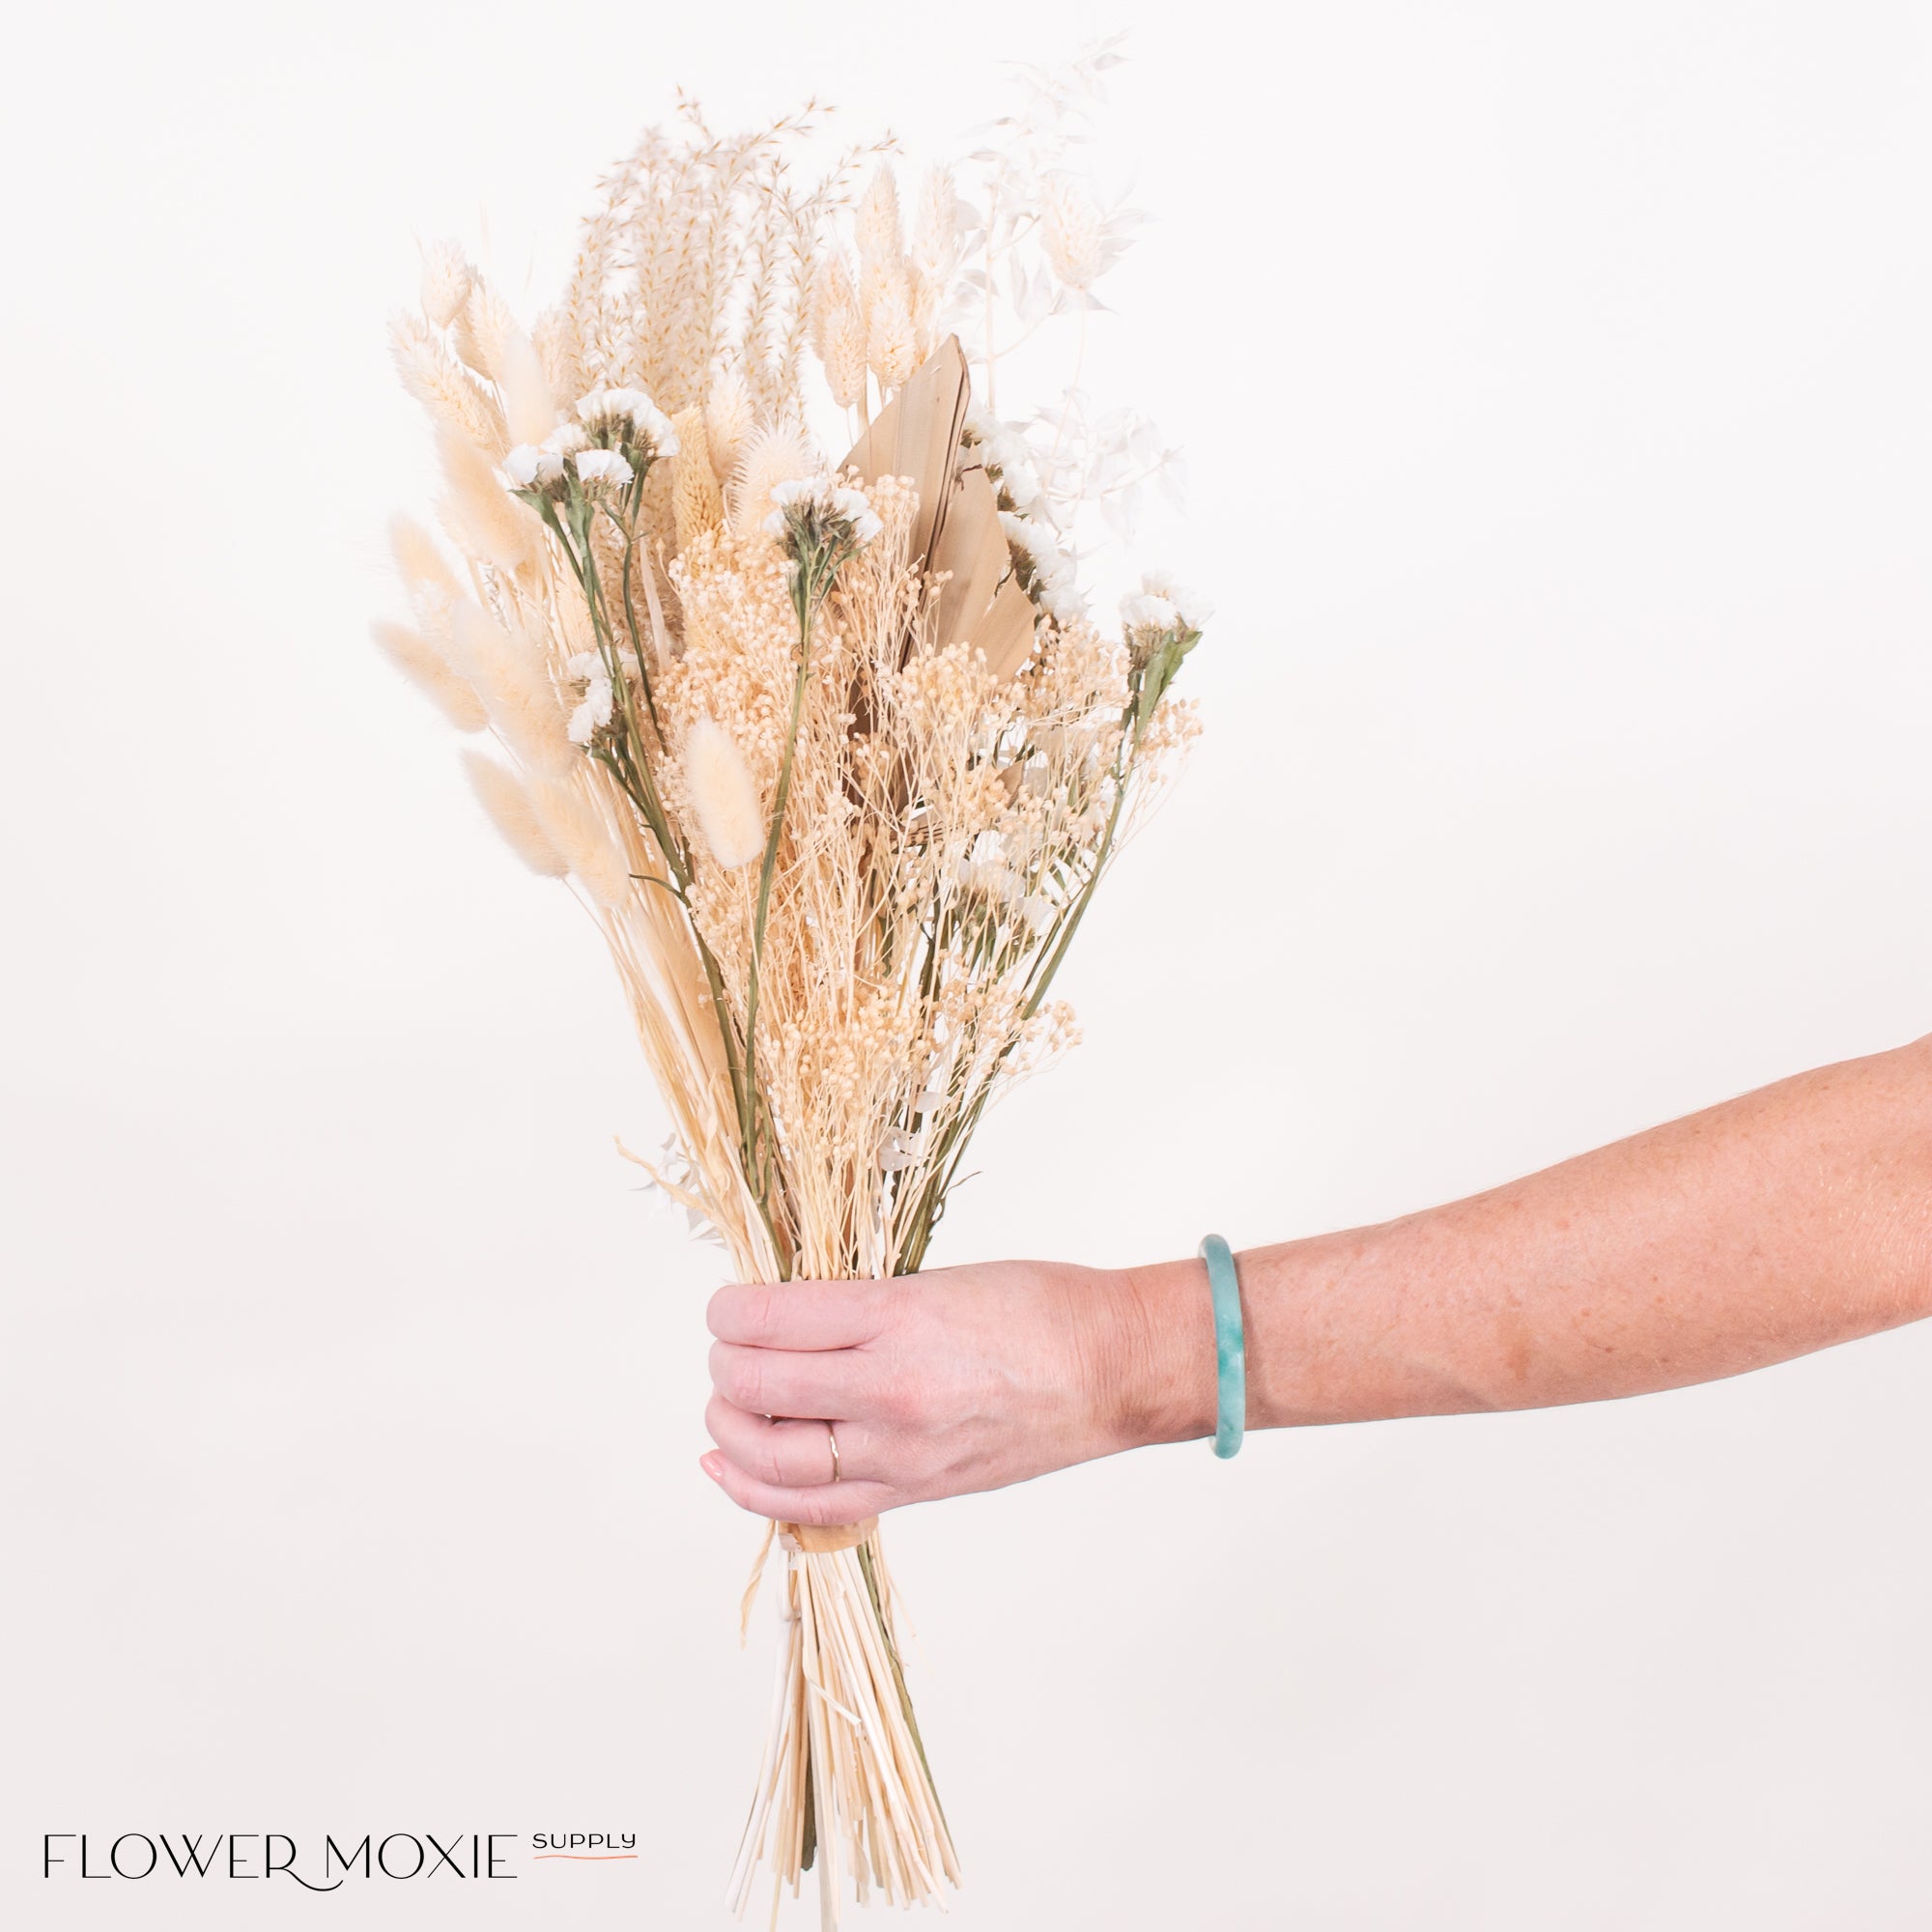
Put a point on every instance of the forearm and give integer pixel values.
(1795, 1217)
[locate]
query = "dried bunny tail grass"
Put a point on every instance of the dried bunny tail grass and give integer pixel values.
(453, 398)
(728, 417)
(722, 796)
(484, 326)
(845, 364)
(515, 690)
(421, 660)
(876, 226)
(935, 231)
(770, 457)
(528, 402)
(508, 804)
(447, 279)
(697, 502)
(839, 328)
(832, 299)
(581, 837)
(419, 561)
(479, 514)
(555, 344)
(1070, 231)
(891, 333)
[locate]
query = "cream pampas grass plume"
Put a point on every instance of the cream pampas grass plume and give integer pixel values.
(779, 615)
(421, 660)
(511, 813)
(731, 815)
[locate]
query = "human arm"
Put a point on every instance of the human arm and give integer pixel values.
(1779, 1223)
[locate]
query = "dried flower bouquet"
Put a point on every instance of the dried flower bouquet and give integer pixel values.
(831, 750)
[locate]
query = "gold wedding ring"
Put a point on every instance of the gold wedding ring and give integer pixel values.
(831, 1436)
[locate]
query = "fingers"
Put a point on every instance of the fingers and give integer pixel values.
(788, 1454)
(799, 1314)
(775, 1381)
(823, 1505)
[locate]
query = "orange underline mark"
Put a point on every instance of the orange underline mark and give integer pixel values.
(587, 1858)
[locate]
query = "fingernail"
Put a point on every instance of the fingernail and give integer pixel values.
(710, 1465)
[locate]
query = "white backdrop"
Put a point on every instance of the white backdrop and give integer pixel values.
(1555, 386)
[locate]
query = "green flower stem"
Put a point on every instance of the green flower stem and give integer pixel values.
(756, 1153)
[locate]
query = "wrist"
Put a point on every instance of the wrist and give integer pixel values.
(1162, 1385)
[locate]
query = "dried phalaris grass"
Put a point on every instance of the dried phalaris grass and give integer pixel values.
(829, 749)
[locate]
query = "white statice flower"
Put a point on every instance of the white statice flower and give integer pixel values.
(634, 417)
(1019, 485)
(1194, 610)
(1039, 543)
(587, 668)
(1063, 603)
(530, 465)
(603, 466)
(1009, 462)
(824, 501)
(1141, 610)
(855, 508)
(565, 439)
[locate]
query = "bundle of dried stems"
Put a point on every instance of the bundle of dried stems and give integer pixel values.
(831, 752)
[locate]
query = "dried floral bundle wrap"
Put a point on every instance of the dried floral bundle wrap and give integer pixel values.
(830, 750)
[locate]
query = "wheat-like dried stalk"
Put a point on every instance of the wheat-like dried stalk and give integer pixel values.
(830, 751)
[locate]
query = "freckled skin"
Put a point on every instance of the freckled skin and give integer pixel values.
(1785, 1221)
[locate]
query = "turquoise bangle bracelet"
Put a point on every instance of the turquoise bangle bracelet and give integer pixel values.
(1230, 1348)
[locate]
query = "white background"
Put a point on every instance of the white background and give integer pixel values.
(1555, 385)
